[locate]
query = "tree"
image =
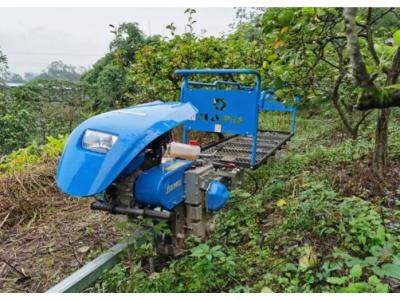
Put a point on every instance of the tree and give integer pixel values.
(379, 90)
(307, 48)
(108, 77)
(128, 39)
(306, 56)
(38, 109)
(3, 66)
(16, 122)
(29, 76)
(13, 77)
(110, 87)
(60, 71)
(156, 63)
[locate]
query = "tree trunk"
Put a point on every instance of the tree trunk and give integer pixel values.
(371, 96)
(380, 160)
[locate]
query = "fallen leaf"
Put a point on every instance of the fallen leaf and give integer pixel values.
(266, 289)
(308, 259)
(278, 42)
(154, 275)
(272, 57)
(285, 29)
(84, 249)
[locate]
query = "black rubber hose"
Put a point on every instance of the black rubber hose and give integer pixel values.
(134, 212)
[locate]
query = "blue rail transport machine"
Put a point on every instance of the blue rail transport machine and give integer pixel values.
(128, 160)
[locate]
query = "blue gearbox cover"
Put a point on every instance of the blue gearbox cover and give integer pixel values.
(216, 195)
(85, 173)
(162, 185)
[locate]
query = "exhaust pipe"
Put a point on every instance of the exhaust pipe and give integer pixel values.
(133, 212)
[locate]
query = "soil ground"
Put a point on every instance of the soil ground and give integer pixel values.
(39, 250)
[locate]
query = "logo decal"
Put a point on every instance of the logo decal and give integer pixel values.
(174, 186)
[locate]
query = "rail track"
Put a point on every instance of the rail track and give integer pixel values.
(89, 273)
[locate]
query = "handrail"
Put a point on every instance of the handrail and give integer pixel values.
(220, 82)
(278, 105)
(190, 72)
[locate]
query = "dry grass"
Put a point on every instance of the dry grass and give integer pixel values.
(45, 235)
(359, 180)
(24, 195)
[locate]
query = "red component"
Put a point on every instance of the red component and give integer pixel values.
(193, 142)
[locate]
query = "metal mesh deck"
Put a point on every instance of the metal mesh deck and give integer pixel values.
(238, 148)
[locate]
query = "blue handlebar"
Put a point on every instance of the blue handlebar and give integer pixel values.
(220, 82)
(219, 72)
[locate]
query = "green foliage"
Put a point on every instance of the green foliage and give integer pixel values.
(32, 155)
(308, 49)
(54, 147)
(15, 120)
(206, 269)
(110, 87)
(364, 228)
(156, 62)
(108, 77)
(298, 233)
(396, 37)
(57, 70)
(41, 108)
(129, 38)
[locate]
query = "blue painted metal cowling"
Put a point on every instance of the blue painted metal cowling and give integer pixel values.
(162, 185)
(223, 111)
(216, 195)
(84, 173)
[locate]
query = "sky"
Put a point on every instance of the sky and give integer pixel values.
(31, 38)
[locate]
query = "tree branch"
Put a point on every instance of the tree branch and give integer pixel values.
(364, 115)
(359, 69)
(335, 99)
(394, 71)
(370, 40)
(381, 15)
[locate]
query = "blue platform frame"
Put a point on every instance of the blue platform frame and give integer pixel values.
(270, 102)
(233, 111)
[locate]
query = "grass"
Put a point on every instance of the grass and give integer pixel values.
(44, 234)
(319, 223)
(301, 233)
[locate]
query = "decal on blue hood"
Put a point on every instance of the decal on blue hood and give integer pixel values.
(82, 172)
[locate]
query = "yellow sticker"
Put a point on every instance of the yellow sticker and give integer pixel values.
(175, 166)
(217, 128)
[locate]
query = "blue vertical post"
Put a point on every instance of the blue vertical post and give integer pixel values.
(297, 99)
(254, 150)
(294, 116)
(183, 89)
(255, 130)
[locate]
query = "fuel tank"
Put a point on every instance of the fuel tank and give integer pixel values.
(162, 185)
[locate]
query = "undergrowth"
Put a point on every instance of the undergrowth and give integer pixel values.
(25, 158)
(300, 233)
(27, 182)
(319, 222)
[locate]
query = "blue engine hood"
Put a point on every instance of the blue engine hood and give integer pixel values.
(85, 173)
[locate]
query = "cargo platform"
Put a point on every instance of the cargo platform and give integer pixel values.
(237, 149)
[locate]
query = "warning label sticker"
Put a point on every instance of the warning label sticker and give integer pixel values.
(217, 128)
